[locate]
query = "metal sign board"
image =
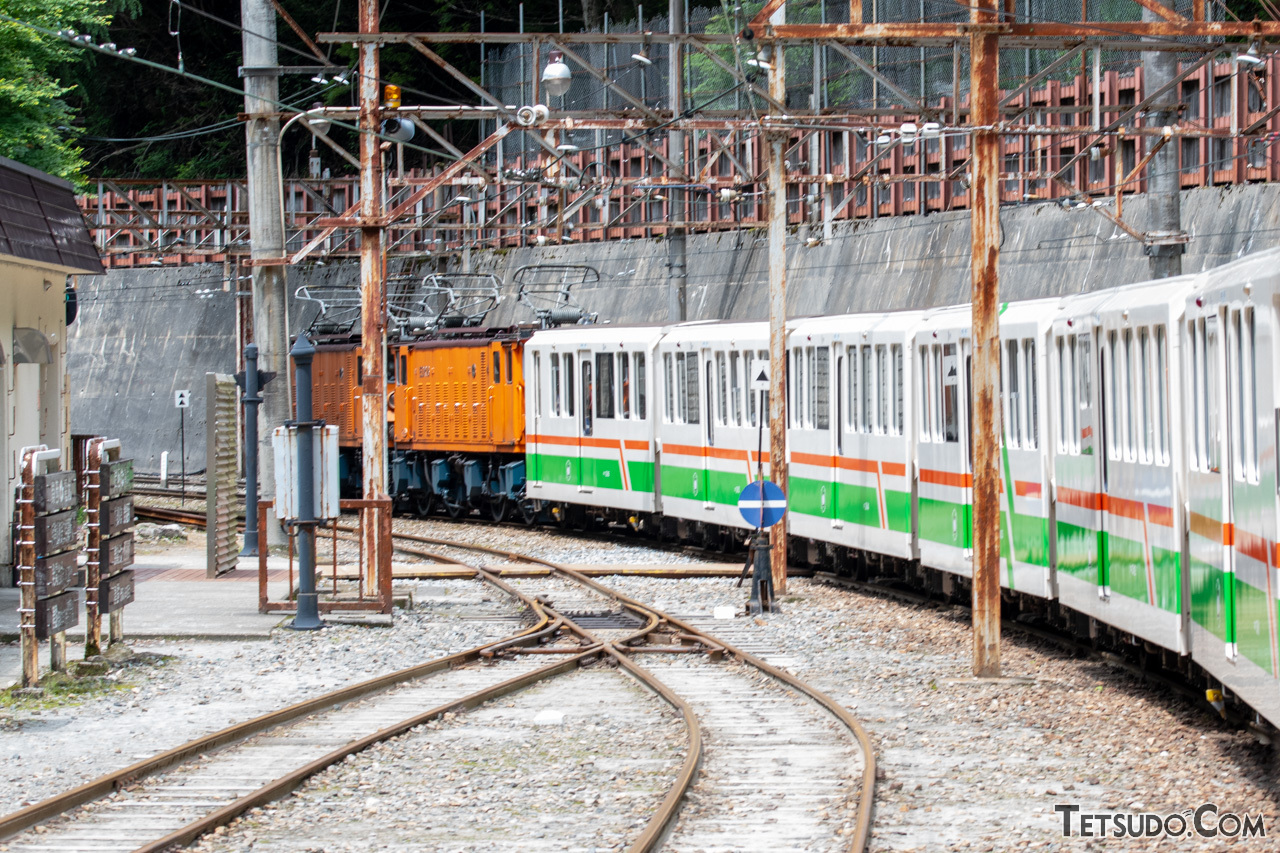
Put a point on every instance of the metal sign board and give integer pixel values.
(115, 517)
(324, 447)
(116, 478)
(116, 554)
(115, 592)
(55, 492)
(56, 574)
(182, 399)
(55, 533)
(57, 614)
(762, 504)
(759, 373)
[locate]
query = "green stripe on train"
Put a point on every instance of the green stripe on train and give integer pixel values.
(588, 471)
(849, 503)
(702, 484)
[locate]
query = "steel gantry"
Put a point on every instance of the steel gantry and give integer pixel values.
(735, 143)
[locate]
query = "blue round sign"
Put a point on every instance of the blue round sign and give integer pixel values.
(762, 510)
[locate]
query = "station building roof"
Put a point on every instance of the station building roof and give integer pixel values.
(40, 222)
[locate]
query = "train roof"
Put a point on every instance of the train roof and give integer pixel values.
(596, 333)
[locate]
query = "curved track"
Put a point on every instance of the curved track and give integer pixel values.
(751, 789)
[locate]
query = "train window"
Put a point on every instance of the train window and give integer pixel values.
(899, 381)
(568, 386)
(556, 407)
(669, 382)
(510, 372)
(604, 385)
(1195, 437)
(1064, 391)
(1033, 401)
(1129, 401)
(735, 388)
(641, 411)
(1212, 374)
(882, 379)
(586, 397)
(1146, 423)
(763, 356)
(624, 385)
(1161, 434)
(950, 373)
(795, 390)
(1251, 391)
(686, 388)
(867, 366)
(497, 368)
(360, 370)
(722, 389)
(404, 369)
(1110, 391)
(1012, 395)
(537, 383)
(926, 395)
(851, 417)
(822, 364)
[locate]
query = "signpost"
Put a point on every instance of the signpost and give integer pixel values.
(109, 509)
(46, 560)
(762, 504)
(182, 402)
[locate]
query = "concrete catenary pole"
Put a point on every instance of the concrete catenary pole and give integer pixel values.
(778, 141)
(984, 95)
(373, 261)
(677, 269)
(266, 227)
(1164, 222)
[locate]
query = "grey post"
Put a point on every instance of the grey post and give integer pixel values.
(250, 399)
(266, 224)
(677, 273)
(308, 616)
(1164, 222)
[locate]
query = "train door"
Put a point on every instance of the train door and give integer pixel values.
(945, 476)
(586, 421)
(1077, 471)
(709, 425)
(1212, 579)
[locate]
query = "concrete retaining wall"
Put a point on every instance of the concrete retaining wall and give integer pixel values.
(144, 333)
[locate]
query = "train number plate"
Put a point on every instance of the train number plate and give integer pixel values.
(115, 592)
(116, 554)
(56, 574)
(115, 517)
(55, 533)
(57, 614)
(55, 492)
(116, 478)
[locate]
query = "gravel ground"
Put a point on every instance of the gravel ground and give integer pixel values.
(964, 765)
(180, 690)
(980, 766)
(577, 763)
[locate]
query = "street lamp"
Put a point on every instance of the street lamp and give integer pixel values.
(556, 77)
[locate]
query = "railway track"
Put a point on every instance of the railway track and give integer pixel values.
(757, 720)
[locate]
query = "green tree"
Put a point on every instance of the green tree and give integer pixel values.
(34, 117)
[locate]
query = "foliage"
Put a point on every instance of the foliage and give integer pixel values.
(34, 114)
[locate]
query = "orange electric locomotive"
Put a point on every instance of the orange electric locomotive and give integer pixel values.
(455, 388)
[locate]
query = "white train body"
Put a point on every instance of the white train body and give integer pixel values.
(1138, 462)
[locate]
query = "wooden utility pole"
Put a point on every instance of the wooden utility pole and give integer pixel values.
(984, 166)
(778, 140)
(373, 265)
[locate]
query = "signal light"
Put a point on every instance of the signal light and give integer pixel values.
(391, 96)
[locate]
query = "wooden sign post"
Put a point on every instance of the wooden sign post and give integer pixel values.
(46, 560)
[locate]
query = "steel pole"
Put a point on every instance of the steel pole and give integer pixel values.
(1164, 183)
(266, 221)
(250, 399)
(984, 95)
(308, 615)
(373, 259)
(677, 266)
(778, 140)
